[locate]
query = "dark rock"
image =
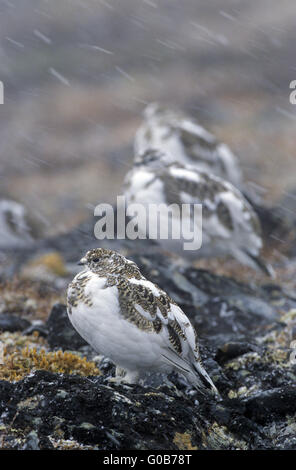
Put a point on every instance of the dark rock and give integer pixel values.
(233, 349)
(32, 441)
(278, 221)
(61, 333)
(51, 409)
(40, 329)
(12, 323)
(265, 405)
(107, 367)
(91, 412)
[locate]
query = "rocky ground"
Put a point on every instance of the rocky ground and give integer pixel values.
(55, 391)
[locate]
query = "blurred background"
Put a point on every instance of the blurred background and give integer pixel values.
(78, 73)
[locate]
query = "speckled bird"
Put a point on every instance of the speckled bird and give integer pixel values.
(230, 227)
(129, 319)
(15, 225)
(186, 141)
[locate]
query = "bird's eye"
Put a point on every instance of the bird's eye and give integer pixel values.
(96, 260)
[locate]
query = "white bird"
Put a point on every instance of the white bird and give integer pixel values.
(15, 229)
(229, 224)
(132, 321)
(185, 141)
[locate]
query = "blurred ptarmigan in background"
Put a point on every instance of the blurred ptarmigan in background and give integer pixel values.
(229, 224)
(17, 227)
(185, 141)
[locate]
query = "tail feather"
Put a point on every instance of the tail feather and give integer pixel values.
(194, 372)
(202, 381)
(177, 362)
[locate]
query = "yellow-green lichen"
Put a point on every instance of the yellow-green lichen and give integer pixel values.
(16, 365)
(218, 437)
(276, 356)
(44, 267)
(183, 441)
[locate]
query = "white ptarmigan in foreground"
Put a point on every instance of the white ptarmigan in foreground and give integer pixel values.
(132, 321)
(185, 141)
(229, 224)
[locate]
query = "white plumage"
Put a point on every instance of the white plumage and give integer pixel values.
(229, 224)
(132, 321)
(15, 229)
(185, 141)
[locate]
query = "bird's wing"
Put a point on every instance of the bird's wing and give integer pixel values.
(201, 145)
(193, 135)
(152, 310)
(226, 213)
(194, 138)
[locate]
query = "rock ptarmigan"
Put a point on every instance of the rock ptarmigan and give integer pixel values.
(15, 227)
(229, 224)
(185, 141)
(129, 319)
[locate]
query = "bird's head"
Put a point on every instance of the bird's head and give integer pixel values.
(161, 113)
(152, 158)
(102, 260)
(153, 110)
(98, 257)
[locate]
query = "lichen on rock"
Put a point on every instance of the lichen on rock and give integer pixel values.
(18, 364)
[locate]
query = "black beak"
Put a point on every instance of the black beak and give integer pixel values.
(82, 262)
